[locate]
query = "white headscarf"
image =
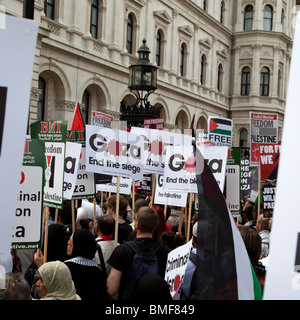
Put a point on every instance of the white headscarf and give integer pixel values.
(58, 281)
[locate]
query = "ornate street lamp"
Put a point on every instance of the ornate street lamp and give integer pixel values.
(142, 82)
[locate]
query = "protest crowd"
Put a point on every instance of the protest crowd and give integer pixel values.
(88, 264)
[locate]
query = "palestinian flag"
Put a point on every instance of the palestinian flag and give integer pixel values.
(77, 121)
(192, 127)
(220, 126)
(224, 270)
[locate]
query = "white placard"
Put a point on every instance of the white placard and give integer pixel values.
(114, 152)
(156, 142)
(18, 40)
(28, 215)
(216, 158)
(125, 186)
(177, 199)
(175, 268)
(179, 172)
(283, 277)
(85, 182)
(72, 157)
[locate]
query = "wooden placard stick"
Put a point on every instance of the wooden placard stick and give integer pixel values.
(94, 220)
(181, 220)
(56, 215)
(46, 234)
(153, 190)
(133, 199)
(189, 218)
(117, 211)
(73, 215)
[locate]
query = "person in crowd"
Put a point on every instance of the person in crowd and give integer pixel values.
(88, 205)
(122, 257)
(137, 205)
(15, 288)
(152, 288)
(82, 219)
(262, 228)
(105, 229)
(89, 279)
(174, 217)
(65, 218)
(188, 288)
(248, 217)
(162, 226)
(104, 208)
(168, 239)
(252, 242)
(124, 229)
(55, 282)
(56, 250)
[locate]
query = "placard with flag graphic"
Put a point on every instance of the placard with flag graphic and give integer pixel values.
(220, 131)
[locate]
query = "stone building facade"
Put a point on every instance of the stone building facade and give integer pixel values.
(214, 57)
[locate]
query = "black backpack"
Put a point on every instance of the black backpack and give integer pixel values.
(144, 262)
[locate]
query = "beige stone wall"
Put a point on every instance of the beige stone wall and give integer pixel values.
(71, 61)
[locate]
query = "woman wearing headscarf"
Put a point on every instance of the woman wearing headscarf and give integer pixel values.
(57, 250)
(55, 282)
(89, 279)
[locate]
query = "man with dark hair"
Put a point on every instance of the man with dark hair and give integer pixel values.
(122, 257)
(104, 229)
(124, 229)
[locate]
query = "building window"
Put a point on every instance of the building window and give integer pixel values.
(245, 87)
(248, 18)
(264, 81)
(28, 9)
(85, 108)
(220, 76)
(158, 48)
(203, 69)
(182, 66)
(41, 101)
(279, 84)
(243, 138)
(268, 18)
(129, 40)
(205, 5)
(222, 14)
(49, 6)
(94, 19)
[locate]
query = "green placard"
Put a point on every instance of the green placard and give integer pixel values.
(52, 130)
(54, 133)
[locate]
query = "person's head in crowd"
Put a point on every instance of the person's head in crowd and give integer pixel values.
(105, 225)
(263, 224)
(252, 242)
(168, 239)
(162, 222)
(104, 208)
(147, 220)
(57, 243)
(15, 287)
(112, 205)
(82, 244)
(82, 219)
(65, 214)
(55, 282)
(152, 287)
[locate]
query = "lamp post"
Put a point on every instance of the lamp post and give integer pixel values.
(142, 82)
